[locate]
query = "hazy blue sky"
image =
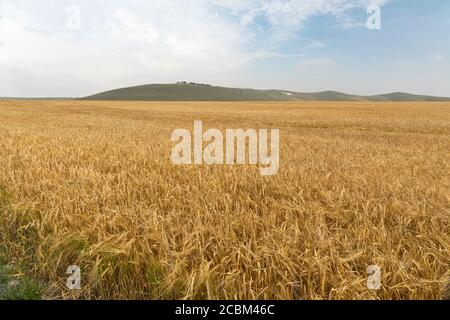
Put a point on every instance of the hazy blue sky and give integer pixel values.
(79, 47)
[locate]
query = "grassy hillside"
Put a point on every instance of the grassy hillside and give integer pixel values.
(190, 92)
(401, 96)
(200, 92)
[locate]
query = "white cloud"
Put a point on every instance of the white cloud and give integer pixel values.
(315, 44)
(289, 15)
(122, 44)
(135, 41)
(436, 56)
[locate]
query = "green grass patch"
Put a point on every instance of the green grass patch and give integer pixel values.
(11, 286)
(16, 288)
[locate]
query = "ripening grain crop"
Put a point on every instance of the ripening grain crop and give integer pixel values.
(91, 184)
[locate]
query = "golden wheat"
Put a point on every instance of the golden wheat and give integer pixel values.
(91, 184)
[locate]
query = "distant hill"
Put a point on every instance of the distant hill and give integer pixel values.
(201, 92)
(401, 96)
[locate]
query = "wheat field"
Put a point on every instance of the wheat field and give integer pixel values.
(91, 184)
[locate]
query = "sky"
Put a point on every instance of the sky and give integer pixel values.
(74, 48)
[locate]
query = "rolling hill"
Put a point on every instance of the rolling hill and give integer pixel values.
(201, 92)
